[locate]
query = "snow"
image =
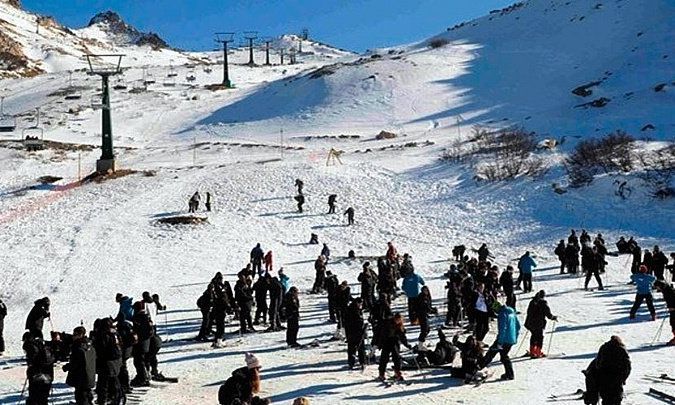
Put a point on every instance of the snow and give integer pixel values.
(81, 244)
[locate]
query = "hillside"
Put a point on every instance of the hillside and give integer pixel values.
(514, 67)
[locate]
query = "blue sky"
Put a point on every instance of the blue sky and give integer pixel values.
(351, 24)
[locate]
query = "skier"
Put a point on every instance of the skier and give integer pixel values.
(36, 316)
(268, 260)
(320, 274)
(506, 282)
(193, 204)
(40, 371)
(455, 300)
(600, 253)
(526, 264)
(392, 335)
(481, 305)
(242, 386)
(300, 199)
(325, 252)
(643, 282)
(560, 252)
(257, 255)
(205, 303)
(537, 312)
(260, 288)
(472, 359)
(82, 367)
(331, 285)
(424, 308)
(3, 314)
(350, 215)
(243, 294)
(208, 202)
(483, 253)
(508, 328)
(292, 308)
(368, 280)
(276, 297)
(355, 333)
(443, 353)
(669, 297)
(143, 329)
(411, 285)
(572, 258)
(299, 184)
(607, 373)
(590, 262)
(331, 203)
(126, 311)
(659, 262)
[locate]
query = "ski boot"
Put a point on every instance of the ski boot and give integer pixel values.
(398, 377)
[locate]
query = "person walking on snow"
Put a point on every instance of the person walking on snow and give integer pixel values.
(508, 328)
(560, 252)
(537, 312)
(257, 255)
(208, 202)
(299, 184)
(355, 333)
(193, 204)
(392, 336)
(590, 262)
(659, 262)
(643, 282)
(3, 314)
(325, 252)
(331, 203)
(268, 260)
(526, 264)
(292, 308)
(669, 297)
(300, 199)
(350, 216)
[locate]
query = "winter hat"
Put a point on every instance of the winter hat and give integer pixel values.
(643, 268)
(252, 361)
(118, 297)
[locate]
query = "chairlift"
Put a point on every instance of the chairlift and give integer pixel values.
(97, 101)
(191, 76)
(120, 83)
(72, 94)
(170, 81)
(33, 137)
(208, 70)
(7, 122)
(147, 77)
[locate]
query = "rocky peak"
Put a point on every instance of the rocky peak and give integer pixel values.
(15, 3)
(112, 23)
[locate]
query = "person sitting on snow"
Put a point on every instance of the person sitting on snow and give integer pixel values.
(244, 383)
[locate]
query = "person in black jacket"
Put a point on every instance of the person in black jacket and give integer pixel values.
(572, 258)
(368, 280)
(206, 303)
(636, 250)
(276, 296)
(424, 308)
(472, 359)
(320, 274)
(392, 336)
(300, 199)
(332, 284)
(573, 239)
(222, 305)
(659, 262)
(378, 316)
(537, 312)
(506, 282)
(454, 300)
(607, 373)
(299, 184)
(144, 330)
(128, 337)
(40, 370)
(241, 387)
(108, 346)
(350, 215)
(343, 298)
(331, 203)
(355, 332)
(560, 252)
(591, 263)
(443, 353)
(243, 294)
(292, 308)
(36, 316)
(260, 288)
(386, 282)
(3, 314)
(669, 297)
(257, 255)
(82, 367)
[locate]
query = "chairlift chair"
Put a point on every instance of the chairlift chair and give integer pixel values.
(97, 101)
(120, 84)
(7, 122)
(33, 138)
(191, 76)
(72, 94)
(208, 70)
(170, 81)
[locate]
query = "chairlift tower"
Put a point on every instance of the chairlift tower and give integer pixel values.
(291, 55)
(105, 66)
(282, 52)
(225, 38)
(267, 41)
(250, 36)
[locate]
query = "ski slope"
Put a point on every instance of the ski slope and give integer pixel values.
(81, 244)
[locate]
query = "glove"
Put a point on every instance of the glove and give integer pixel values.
(555, 318)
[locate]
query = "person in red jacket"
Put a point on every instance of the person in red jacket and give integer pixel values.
(268, 261)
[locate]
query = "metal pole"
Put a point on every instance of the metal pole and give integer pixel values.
(107, 145)
(194, 151)
(250, 52)
(267, 52)
(281, 141)
(79, 166)
(226, 72)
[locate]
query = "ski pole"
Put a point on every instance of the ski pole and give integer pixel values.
(658, 332)
(522, 341)
(23, 391)
(548, 351)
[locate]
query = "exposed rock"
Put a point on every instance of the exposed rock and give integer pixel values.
(15, 3)
(125, 33)
(659, 87)
(385, 135)
(12, 57)
(585, 90)
(648, 127)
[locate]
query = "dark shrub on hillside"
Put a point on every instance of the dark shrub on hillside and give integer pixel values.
(591, 157)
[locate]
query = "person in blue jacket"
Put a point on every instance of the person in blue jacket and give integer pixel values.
(412, 287)
(526, 264)
(644, 283)
(285, 280)
(507, 335)
(126, 312)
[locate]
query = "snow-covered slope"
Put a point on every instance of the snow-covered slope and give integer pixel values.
(518, 66)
